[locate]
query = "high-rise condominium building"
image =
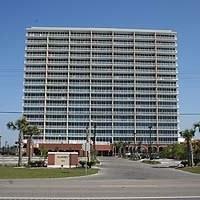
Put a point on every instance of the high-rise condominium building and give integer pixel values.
(120, 82)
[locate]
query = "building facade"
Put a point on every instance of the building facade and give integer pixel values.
(120, 84)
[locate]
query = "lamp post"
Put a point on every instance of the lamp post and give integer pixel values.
(94, 142)
(86, 150)
(134, 143)
(150, 150)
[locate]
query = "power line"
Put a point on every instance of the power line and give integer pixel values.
(189, 114)
(10, 112)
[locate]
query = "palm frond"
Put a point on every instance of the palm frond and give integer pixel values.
(32, 130)
(11, 125)
(197, 125)
(188, 134)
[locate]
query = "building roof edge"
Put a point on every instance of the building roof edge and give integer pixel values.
(98, 29)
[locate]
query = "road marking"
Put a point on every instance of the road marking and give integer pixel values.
(97, 198)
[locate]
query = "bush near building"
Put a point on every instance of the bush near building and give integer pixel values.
(179, 152)
(175, 151)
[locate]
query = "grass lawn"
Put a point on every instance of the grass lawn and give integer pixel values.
(13, 173)
(192, 169)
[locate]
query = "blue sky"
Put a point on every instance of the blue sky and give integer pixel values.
(182, 16)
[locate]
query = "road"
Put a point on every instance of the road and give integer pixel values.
(118, 179)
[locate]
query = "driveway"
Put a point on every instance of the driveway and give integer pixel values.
(118, 179)
(119, 168)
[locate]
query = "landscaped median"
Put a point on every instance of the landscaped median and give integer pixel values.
(22, 173)
(195, 170)
(151, 162)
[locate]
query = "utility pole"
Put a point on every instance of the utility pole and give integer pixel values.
(94, 142)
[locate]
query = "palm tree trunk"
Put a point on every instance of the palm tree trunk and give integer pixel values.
(29, 149)
(20, 149)
(188, 152)
(120, 151)
(191, 155)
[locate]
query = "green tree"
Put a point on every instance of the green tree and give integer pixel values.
(179, 151)
(196, 149)
(118, 148)
(124, 145)
(20, 125)
(188, 134)
(175, 151)
(30, 132)
(44, 152)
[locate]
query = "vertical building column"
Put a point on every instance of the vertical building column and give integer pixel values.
(113, 82)
(68, 82)
(45, 90)
(134, 90)
(90, 110)
(157, 99)
(177, 89)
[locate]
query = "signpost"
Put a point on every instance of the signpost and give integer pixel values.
(86, 148)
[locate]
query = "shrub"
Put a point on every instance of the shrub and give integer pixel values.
(97, 162)
(152, 162)
(196, 161)
(82, 163)
(91, 163)
(184, 163)
(38, 163)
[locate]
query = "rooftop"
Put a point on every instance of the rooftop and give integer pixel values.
(97, 29)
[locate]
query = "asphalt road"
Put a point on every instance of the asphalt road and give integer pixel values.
(118, 179)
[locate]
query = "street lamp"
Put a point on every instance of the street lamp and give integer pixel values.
(93, 139)
(86, 149)
(87, 145)
(134, 142)
(150, 150)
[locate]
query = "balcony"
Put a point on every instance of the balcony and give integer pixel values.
(144, 37)
(63, 42)
(35, 69)
(35, 62)
(36, 42)
(35, 55)
(58, 49)
(105, 50)
(35, 48)
(144, 44)
(56, 98)
(33, 104)
(35, 76)
(56, 91)
(123, 44)
(34, 90)
(56, 120)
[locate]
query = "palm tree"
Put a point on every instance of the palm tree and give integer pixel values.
(197, 125)
(114, 148)
(196, 147)
(20, 125)
(188, 134)
(30, 131)
(124, 145)
(118, 148)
